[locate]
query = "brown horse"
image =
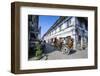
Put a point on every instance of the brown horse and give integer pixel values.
(58, 43)
(69, 43)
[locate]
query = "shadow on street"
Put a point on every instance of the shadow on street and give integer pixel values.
(72, 52)
(49, 48)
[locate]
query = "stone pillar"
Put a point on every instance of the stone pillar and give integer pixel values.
(82, 43)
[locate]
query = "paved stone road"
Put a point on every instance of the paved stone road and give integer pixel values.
(56, 54)
(53, 54)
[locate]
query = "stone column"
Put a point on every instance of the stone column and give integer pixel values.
(82, 43)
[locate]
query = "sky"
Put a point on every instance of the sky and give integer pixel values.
(46, 22)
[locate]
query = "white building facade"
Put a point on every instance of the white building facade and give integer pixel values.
(75, 27)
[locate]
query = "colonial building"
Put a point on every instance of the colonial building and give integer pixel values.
(76, 27)
(34, 32)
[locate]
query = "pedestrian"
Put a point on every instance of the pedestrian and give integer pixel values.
(43, 46)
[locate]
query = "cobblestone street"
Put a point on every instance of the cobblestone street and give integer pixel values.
(53, 54)
(60, 55)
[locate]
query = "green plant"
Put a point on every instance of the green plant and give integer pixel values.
(38, 50)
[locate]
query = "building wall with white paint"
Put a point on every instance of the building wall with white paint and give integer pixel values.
(67, 28)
